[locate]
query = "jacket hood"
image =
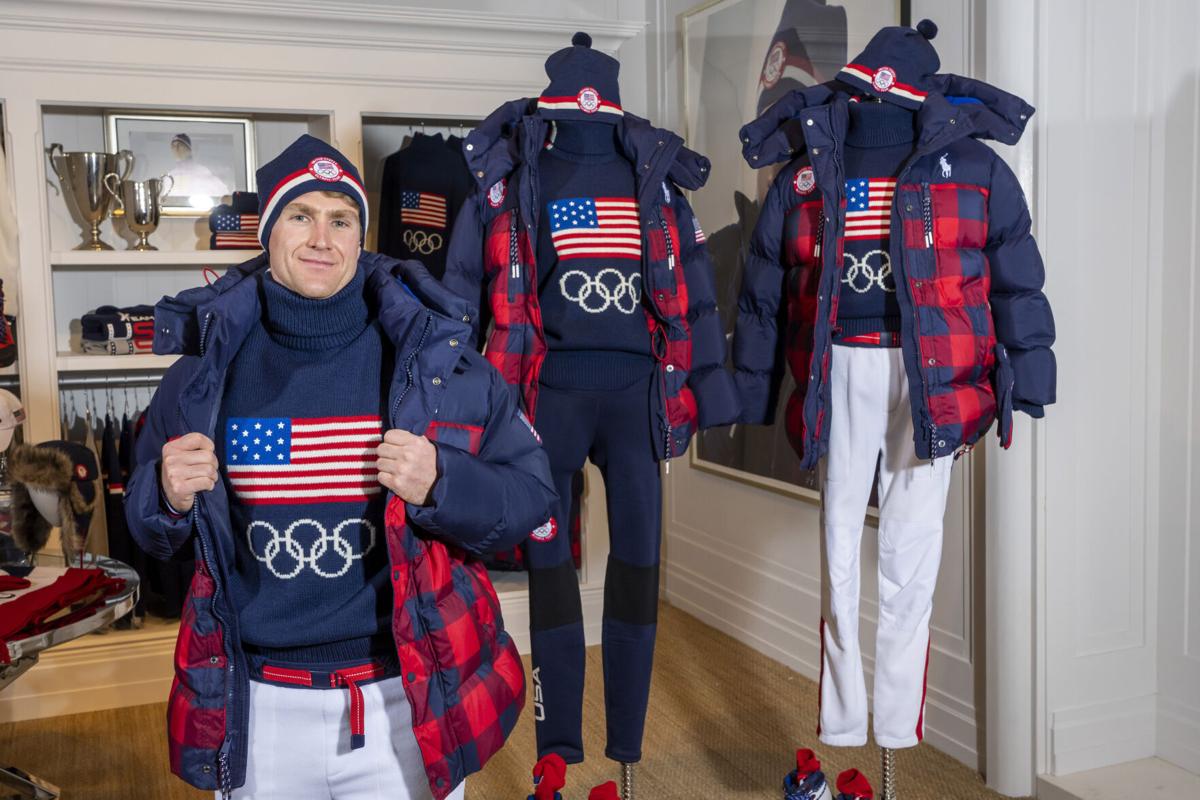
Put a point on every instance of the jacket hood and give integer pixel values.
(988, 113)
(497, 146)
(178, 319)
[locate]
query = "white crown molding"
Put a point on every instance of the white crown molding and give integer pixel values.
(332, 23)
(261, 76)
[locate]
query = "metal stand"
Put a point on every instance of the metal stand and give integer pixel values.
(627, 782)
(889, 774)
(17, 784)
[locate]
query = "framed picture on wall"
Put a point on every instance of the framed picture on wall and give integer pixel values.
(740, 56)
(207, 158)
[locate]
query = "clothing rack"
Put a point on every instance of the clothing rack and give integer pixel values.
(66, 382)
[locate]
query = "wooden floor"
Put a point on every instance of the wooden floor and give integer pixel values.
(724, 723)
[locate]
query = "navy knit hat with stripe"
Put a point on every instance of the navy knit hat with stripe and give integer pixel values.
(307, 165)
(897, 65)
(808, 48)
(583, 84)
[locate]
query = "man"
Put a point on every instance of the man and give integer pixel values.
(339, 456)
(192, 178)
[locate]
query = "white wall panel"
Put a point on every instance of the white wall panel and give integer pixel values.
(1177, 95)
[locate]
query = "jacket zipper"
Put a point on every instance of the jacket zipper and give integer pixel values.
(408, 367)
(667, 453)
(927, 225)
(224, 779)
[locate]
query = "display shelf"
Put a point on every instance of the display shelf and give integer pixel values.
(150, 258)
(78, 362)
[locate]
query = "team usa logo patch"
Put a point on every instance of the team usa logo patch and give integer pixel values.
(885, 78)
(325, 169)
(805, 181)
(588, 100)
(497, 192)
(773, 66)
(546, 532)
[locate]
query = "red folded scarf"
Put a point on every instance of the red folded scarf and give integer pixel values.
(71, 597)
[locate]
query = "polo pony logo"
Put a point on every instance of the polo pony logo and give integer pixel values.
(944, 163)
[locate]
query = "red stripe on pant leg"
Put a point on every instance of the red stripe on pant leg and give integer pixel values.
(924, 690)
(821, 679)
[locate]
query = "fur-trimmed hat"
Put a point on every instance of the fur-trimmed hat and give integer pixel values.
(66, 468)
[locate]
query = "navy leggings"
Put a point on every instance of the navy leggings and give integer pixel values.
(613, 429)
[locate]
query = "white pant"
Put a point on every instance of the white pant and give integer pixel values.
(300, 746)
(870, 421)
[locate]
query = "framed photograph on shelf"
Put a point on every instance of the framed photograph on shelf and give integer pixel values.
(740, 56)
(208, 158)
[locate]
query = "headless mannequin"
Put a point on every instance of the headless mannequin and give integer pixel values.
(592, 352)
(595, 139)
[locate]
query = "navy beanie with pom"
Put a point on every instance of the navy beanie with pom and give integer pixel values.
(307, 165)
(583, 83)
(897, 65)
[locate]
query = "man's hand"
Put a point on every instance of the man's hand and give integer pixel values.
(408, 466)
(189, 465)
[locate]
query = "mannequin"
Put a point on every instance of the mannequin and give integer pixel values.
(578, 159)
(584, 259)
(914, 318)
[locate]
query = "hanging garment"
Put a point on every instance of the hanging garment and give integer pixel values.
(424, 185)
(98, 532)
(120, 544)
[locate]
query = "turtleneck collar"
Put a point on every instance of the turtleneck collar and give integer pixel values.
(880, 125)
(300, 323)
(584, 142)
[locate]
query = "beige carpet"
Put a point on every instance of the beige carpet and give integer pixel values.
(724, 723)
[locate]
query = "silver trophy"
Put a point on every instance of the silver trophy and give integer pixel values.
(82, 176)
(140, 204)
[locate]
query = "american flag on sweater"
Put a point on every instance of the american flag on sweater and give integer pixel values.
(423, 208)
(595, 227)
(869, 207)
(273, 460)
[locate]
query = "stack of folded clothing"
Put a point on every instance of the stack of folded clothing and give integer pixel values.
(235, 226)
(76, 594)
(118, 331)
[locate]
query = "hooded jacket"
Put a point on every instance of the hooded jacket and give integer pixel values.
(462, 674)
(491, 262)
(976, 328)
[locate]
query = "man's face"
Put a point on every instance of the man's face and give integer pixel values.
(314, 245)
(180, 150)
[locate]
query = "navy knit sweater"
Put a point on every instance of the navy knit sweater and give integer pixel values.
(589, 260)
(298, 425)
(879, 138)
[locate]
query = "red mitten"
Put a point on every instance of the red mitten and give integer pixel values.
(853, 784)
(605, 791)
(549, 775)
